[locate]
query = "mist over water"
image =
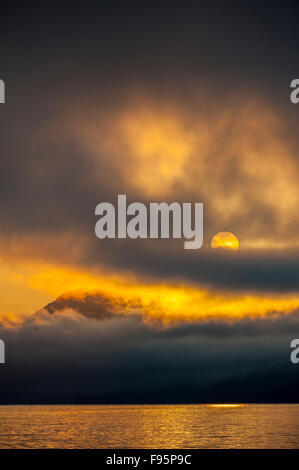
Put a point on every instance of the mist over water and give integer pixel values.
(150, 426)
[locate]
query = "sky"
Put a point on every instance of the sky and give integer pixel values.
(161, 101)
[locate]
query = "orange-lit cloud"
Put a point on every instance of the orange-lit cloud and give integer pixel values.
(166, 303)
(239, 161)
(176, 304)
(29, 284)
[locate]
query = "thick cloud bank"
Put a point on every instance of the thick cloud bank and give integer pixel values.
(68, 357)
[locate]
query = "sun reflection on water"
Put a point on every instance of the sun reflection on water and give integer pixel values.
(226, 405)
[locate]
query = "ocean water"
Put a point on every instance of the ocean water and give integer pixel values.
(150, 426)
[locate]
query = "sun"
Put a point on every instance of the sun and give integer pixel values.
(225, 240)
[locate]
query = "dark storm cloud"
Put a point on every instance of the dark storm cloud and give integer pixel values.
(156, 42)
(59, 61)
(73, 359)
(61, 64)
(276, 271)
